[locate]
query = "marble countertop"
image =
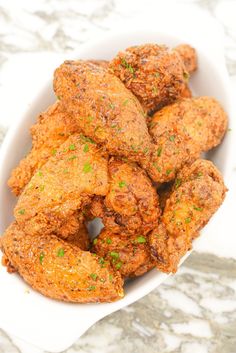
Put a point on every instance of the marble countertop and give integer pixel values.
(193, 311)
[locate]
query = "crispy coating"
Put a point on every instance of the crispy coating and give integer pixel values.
(60, 270)
(198, 192)
(105, 110)
(80, 237)
(131, 203)
(182, 131)
(53, 127)
(128, 254)
(186, 92)
(155, 74)
(189, 56)
(63, 185)
(102, 63)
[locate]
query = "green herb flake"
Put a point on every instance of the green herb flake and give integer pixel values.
(156, 167)
(94, 276)
(113, 126)
(89, 118)
(155, 90)
(87, 167)
(199, 174)
(145, 151)
(54, 152)
(72, 147)
(110, 278)
(22, 211)
(159, 151)
(188, 220)
(127, 66)
(41, 257)
(178, 183)
(186, 75)
(122, 183)
(112, 106)
(125, 102)
(65, 171)
(60, 252)
(118, 265)
(114, 255)
(40, 173)
(86, 148)
(101, 261)
(197, 208)
(157, 74)
(72, 158)
(41, 187)
(95, 241)
(108, 241)
(141, 239)
(168, 171)
(91, 288)
(172, 138)
(86, 139)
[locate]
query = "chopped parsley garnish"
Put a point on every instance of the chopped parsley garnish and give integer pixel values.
(94, 276)
(113, 126)
(125, 102)
(109, 241)
(118, 265)
(41, 257)
(91, 288)
(156, 167)
(86, 148)
(22, 211)
(199, 174)
(114, 254)
(95, 241)
(61, 252)
(188, 220)
(86, 139)
(112, 106)
(101, 261)
(146, 149)
(186, 75)
(72, 147)
(72, 158)
(87, 167)
(65, 171)
(155, 90)
(127, 66)
(172, 138)
(197, 208)
(141, 239)
(40, 173)
(168, 171)
(178, 183)
(157, 74)
(159, 150)
(90, 118)
(122, 183)
(54, 152)
(110, 278)
(41, 187)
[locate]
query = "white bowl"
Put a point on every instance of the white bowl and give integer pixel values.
(53, 325)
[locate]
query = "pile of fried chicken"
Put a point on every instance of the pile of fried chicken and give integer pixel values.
(123, 143)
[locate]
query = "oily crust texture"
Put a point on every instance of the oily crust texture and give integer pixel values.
(107, 148)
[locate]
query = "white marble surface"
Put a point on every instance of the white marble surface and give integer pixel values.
(194, 311)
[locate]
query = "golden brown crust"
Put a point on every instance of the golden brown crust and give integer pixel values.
(105, 110)
(128, 254)
(60, 270)
(131, 203)
(64, 185)
(53, 127)
(182, 131)
(189, 56)
(198, 192)
(153, 73)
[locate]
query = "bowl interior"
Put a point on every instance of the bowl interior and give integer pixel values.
(210, 79)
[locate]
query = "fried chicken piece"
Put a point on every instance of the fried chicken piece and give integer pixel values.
(189, 57)
(60, 270)
(80, 238)
(198, 192)
(105, 110)
(182, 131)
(53, 127)
(64, 185)
(128, 254)
(155, 74)
(131, 204)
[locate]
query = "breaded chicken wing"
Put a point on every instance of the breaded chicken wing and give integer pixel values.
(128, 254)
(198, 192)
(155, 74)
(53, 128)
(105, 110)
(131, 204)
(60, 270)
(182, 131)
(63, 185)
